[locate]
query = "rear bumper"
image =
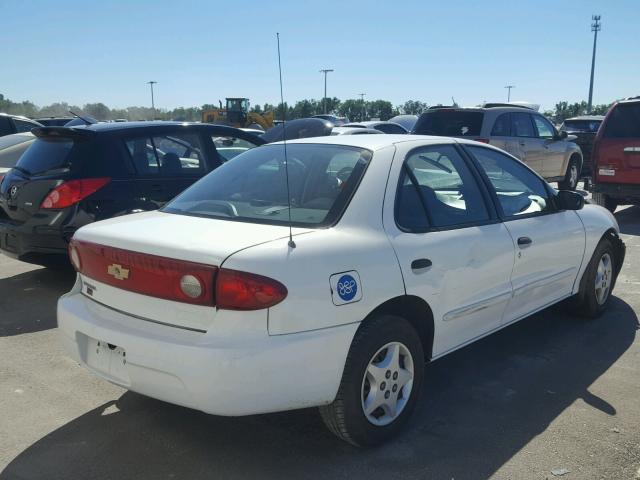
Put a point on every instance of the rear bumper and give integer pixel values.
(38, 244)
(218, 375)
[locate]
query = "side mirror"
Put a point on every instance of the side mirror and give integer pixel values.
(562, 135)
(570, 200)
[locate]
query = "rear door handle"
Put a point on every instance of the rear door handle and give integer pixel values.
(524, 242)
(420, 264)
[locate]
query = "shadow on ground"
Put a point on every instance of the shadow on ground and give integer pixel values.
(28, 300)
(629, 220)
(479, 407)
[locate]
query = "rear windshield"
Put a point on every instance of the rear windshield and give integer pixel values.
(449, 123)
(46, 155)
(581, 125)
(624, 121)
(253, 187)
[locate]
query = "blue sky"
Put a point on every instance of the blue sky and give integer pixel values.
(202, 51)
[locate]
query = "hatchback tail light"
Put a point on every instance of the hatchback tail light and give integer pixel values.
(481, 140)
(247, 291)
(71, 192)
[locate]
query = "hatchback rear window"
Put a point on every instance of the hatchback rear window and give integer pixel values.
(46, 155)
(624, 121)
(450, 123)
(253, 187)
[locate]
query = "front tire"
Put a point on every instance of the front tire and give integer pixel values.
(572, 175)
(380, 384)
(599, 279)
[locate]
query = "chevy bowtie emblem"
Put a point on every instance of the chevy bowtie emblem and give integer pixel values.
(118, 272)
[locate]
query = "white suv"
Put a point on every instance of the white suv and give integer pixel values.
(522, 132)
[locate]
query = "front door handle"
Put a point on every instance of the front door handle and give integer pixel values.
(524, 242)
(420, 264)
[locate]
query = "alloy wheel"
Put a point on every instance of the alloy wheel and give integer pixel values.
(604, 275)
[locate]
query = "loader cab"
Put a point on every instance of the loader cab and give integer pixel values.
(237, 109)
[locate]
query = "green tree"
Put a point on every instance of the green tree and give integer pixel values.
(99, 111)
(413, 107)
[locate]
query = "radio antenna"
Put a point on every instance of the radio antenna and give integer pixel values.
(292, 244)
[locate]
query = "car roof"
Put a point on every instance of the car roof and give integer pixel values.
(373, 141)
(19, 117)
(586, 117)
(486, 109)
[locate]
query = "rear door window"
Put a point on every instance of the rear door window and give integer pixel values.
(143, 155)
(438, 189)
(521, 125)
(179, 154)
(502, 126)
(624, 121)
(450, 123)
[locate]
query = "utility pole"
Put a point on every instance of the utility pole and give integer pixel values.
(362, 100)
(153, 106)
(324, 99)
(595, 28)
(509, 87)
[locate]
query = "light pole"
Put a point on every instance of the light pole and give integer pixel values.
(595, 28)
(362, 100)
(153, 106)
(324, 100)
(509, 87)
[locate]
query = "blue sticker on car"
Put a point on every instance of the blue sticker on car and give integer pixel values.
(345, 287)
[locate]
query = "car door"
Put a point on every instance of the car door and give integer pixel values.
(524, 134)
(500, 135)
(150, 186)
(549, 243)
(452, 250)
(552, 148)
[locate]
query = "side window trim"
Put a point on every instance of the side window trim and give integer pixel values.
(508, 120)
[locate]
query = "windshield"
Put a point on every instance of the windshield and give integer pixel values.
(449, 123)
(253, 187)
(581, 125)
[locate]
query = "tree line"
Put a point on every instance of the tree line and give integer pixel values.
(354, 109)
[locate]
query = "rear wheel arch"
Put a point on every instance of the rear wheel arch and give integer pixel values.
(416, 311)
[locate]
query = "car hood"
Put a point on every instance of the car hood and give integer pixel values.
(196, 239)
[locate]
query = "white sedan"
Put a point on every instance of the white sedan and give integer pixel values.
(402, 250)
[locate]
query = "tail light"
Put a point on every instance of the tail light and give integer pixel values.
(481, 140)
(246, 291)
(71, 192)
(176, 280)
(152, 275)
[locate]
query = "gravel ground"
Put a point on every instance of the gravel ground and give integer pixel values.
(549, 394)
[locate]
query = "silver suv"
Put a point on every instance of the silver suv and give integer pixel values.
(520, 131)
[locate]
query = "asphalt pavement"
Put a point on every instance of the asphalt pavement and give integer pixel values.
(552, 396)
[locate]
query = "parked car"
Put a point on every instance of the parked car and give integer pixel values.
(616, 156)
(54, 121)
(584, 128)
(407, 121)
(11, 147)
(337, 121)
(354, 131)
(382, 126)
(520, 131)
(10, 124)
(298, 128)
(70, 177)
(250, 293)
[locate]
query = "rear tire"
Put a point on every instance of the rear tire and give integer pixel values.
(598, 281)
(572, 175)
(380, 384)
(605, 201)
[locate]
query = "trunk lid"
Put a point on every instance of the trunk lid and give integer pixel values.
(198, 240)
